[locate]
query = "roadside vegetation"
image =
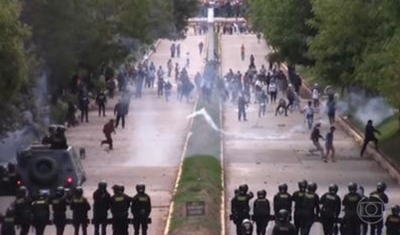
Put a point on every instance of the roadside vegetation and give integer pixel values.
(200, 181)
(341, 43)
(73, 41)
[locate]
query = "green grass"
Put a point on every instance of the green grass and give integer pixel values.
(389, 128)
(200, 180)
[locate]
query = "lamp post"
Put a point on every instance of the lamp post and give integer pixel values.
(211, 41)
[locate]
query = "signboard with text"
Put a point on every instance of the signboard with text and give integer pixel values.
(195, 209)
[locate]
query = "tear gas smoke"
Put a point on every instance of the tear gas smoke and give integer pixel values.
(250, 136)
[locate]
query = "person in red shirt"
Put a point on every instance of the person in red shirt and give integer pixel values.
(108, 129)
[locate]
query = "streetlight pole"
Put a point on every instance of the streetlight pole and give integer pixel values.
(211, 41)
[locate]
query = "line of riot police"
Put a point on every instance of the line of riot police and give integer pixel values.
(9, 180)
(26, 212)
(305, 207)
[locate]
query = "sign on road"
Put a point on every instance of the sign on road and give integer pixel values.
(195, 209)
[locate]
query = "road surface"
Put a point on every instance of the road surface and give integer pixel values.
(264, 152)
(149, 149)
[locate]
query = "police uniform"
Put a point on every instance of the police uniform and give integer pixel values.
(282, 200)
(311, 211)
(297, 198)
(59, 207)
(261, 213)
(378, 197)
(330, 210)
(141, 209)
(80, 207)
(392, 222)
(351, 220)
(23, 213)
(240, 208)
(40, 214)
(283, 225)
(119, 209)
(101, 205)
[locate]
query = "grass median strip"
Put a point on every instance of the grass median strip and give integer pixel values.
(200, 182)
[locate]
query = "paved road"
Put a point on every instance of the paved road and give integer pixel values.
(267, 151)
(149, 149)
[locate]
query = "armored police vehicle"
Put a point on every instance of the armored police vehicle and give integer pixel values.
(44, 168)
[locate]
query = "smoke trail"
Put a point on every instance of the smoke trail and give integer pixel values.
(203, 113)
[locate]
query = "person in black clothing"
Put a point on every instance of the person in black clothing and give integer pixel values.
(22, 208)
(119, 206)
(364, 224)
(298, 198)
(392, 222)
(80, 208)
(141, 209)
(40, 213)
(351, 220)
(48, 138)
(101, 205)
(283, 225)
(242, 103)
(101, 100)
(369, 136)
(84, 107)
(379, 198)
(311, 208)
(59, 207)
(315, 136)
(282, 200)
(59, 140)
(240, 208)
(330, 209)
(8, 223)
(261, 212)
(120, 111)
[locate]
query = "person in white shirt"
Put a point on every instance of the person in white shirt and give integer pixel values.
(315, 95)
(273, 91)
(309, 112)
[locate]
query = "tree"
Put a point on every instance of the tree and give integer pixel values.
(284, 24)
(15, 66)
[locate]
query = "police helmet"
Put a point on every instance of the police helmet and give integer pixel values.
(43, 194)
(60, 191)
(381, 187)
(283, 188)
(116, 188)
(333, 188)
(246, 187)
(236, 192)
(52, 128)
(10, 212)
(22, 191)
(78, 191)
(302, 184)
(247, 227)
(261, 194)
(395, 210)
(283, 216)
(312, 187)
(102, 184)
(140, 188)
(242, 189)
(352, 187)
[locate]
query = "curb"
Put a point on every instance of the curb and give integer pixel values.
(179, 175)
(384, 161)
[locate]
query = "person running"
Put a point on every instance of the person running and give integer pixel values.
(369, 136)
(330, 149)
(315, 136)
(309, 111)
(108, 129)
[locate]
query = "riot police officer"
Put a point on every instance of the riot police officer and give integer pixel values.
(80, 208)
(101, 205)
(298, 198)
(119, 209)
(364, 224)
(330, 209)
(240, 207)
(141, 209)
(40, 213)
(283, 200)
(59, 207)
(311, 207)
(351, 220)
(247, 227)
(283, 225)
(23, 213)
(393, 221)
(379, 198)
(8, 223)
(48, 138)
(261, 212)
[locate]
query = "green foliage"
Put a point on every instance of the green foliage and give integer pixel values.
(284, 23)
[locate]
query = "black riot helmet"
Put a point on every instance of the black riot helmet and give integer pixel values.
(10, 212)
(247, 227)
(78, 191)
(116, 189)
(60, 191)
(140, 188)
(352, 187)
(333, 188)
(302, 185)
(395, 210)
(246, 187)
(283, 216)
(242, 190)
(102, 185)
(312, 187)
(236, 192)
(22, 191)
(283, 188)
(261, 194)
(381, 187)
